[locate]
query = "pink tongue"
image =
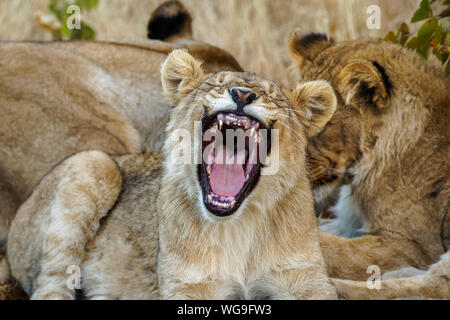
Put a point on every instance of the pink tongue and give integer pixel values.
(227, 179)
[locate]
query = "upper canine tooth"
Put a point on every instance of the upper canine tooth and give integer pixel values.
(252, 132)
(220, 124)
(208, 170)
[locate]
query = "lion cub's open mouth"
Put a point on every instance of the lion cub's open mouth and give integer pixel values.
(230, 169)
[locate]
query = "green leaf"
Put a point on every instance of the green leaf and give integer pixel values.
(423, 12)
(56, 8)
(423, 50)
(65, 32)
(87, 33)
(413, 43)
(391, 37)
(438, 37)
(427, 30)
(447, 3)
(403, 33)
(87, 4)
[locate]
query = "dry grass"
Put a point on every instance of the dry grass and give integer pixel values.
(254, 31)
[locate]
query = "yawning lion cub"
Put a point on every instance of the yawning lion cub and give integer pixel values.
(226, 229)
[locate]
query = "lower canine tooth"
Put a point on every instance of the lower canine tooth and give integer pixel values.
(209, 198)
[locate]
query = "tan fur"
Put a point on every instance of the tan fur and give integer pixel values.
(57, 99)
(201, 257)
(389, 143)
(268, 249)
(433, 284)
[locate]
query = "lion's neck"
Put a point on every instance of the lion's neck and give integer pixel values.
(400, 132)
(260, 231)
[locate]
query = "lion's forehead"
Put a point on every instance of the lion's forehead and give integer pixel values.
(222, 82)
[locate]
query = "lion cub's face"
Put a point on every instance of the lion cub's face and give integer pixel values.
(244, 135)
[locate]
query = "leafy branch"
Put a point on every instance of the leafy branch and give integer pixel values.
(57, 24)
(432, 37)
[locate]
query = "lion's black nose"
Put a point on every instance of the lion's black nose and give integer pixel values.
(242, 97)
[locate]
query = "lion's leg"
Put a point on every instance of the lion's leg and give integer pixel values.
(434, 284)
(308, 283)
(8, 208)
(350, 258)
(208, 290)
(52, 227)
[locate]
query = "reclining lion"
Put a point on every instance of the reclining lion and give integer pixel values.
(388, 146)
(216, 230)
(59, 98)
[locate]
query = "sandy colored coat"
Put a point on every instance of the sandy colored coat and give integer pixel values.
(61, 98)
(101, 213)
(388, 143)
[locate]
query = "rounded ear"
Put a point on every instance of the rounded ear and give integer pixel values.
(317, 101)
(364, 83)
(169, 22)
(181, 73)
(304, 48)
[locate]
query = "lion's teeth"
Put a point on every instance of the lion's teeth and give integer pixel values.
(208, 170)
(252, 132)
(209, 198)
(246, 178)
(220, 124)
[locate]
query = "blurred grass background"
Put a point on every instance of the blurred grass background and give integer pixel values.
(254, 31)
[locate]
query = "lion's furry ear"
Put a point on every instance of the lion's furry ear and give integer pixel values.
(317, 101)
(169, 22)
(304, 48)
(181, 73)
(364, 83)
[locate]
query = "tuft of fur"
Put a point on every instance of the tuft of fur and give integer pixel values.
(180, 75)
(319, 99)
